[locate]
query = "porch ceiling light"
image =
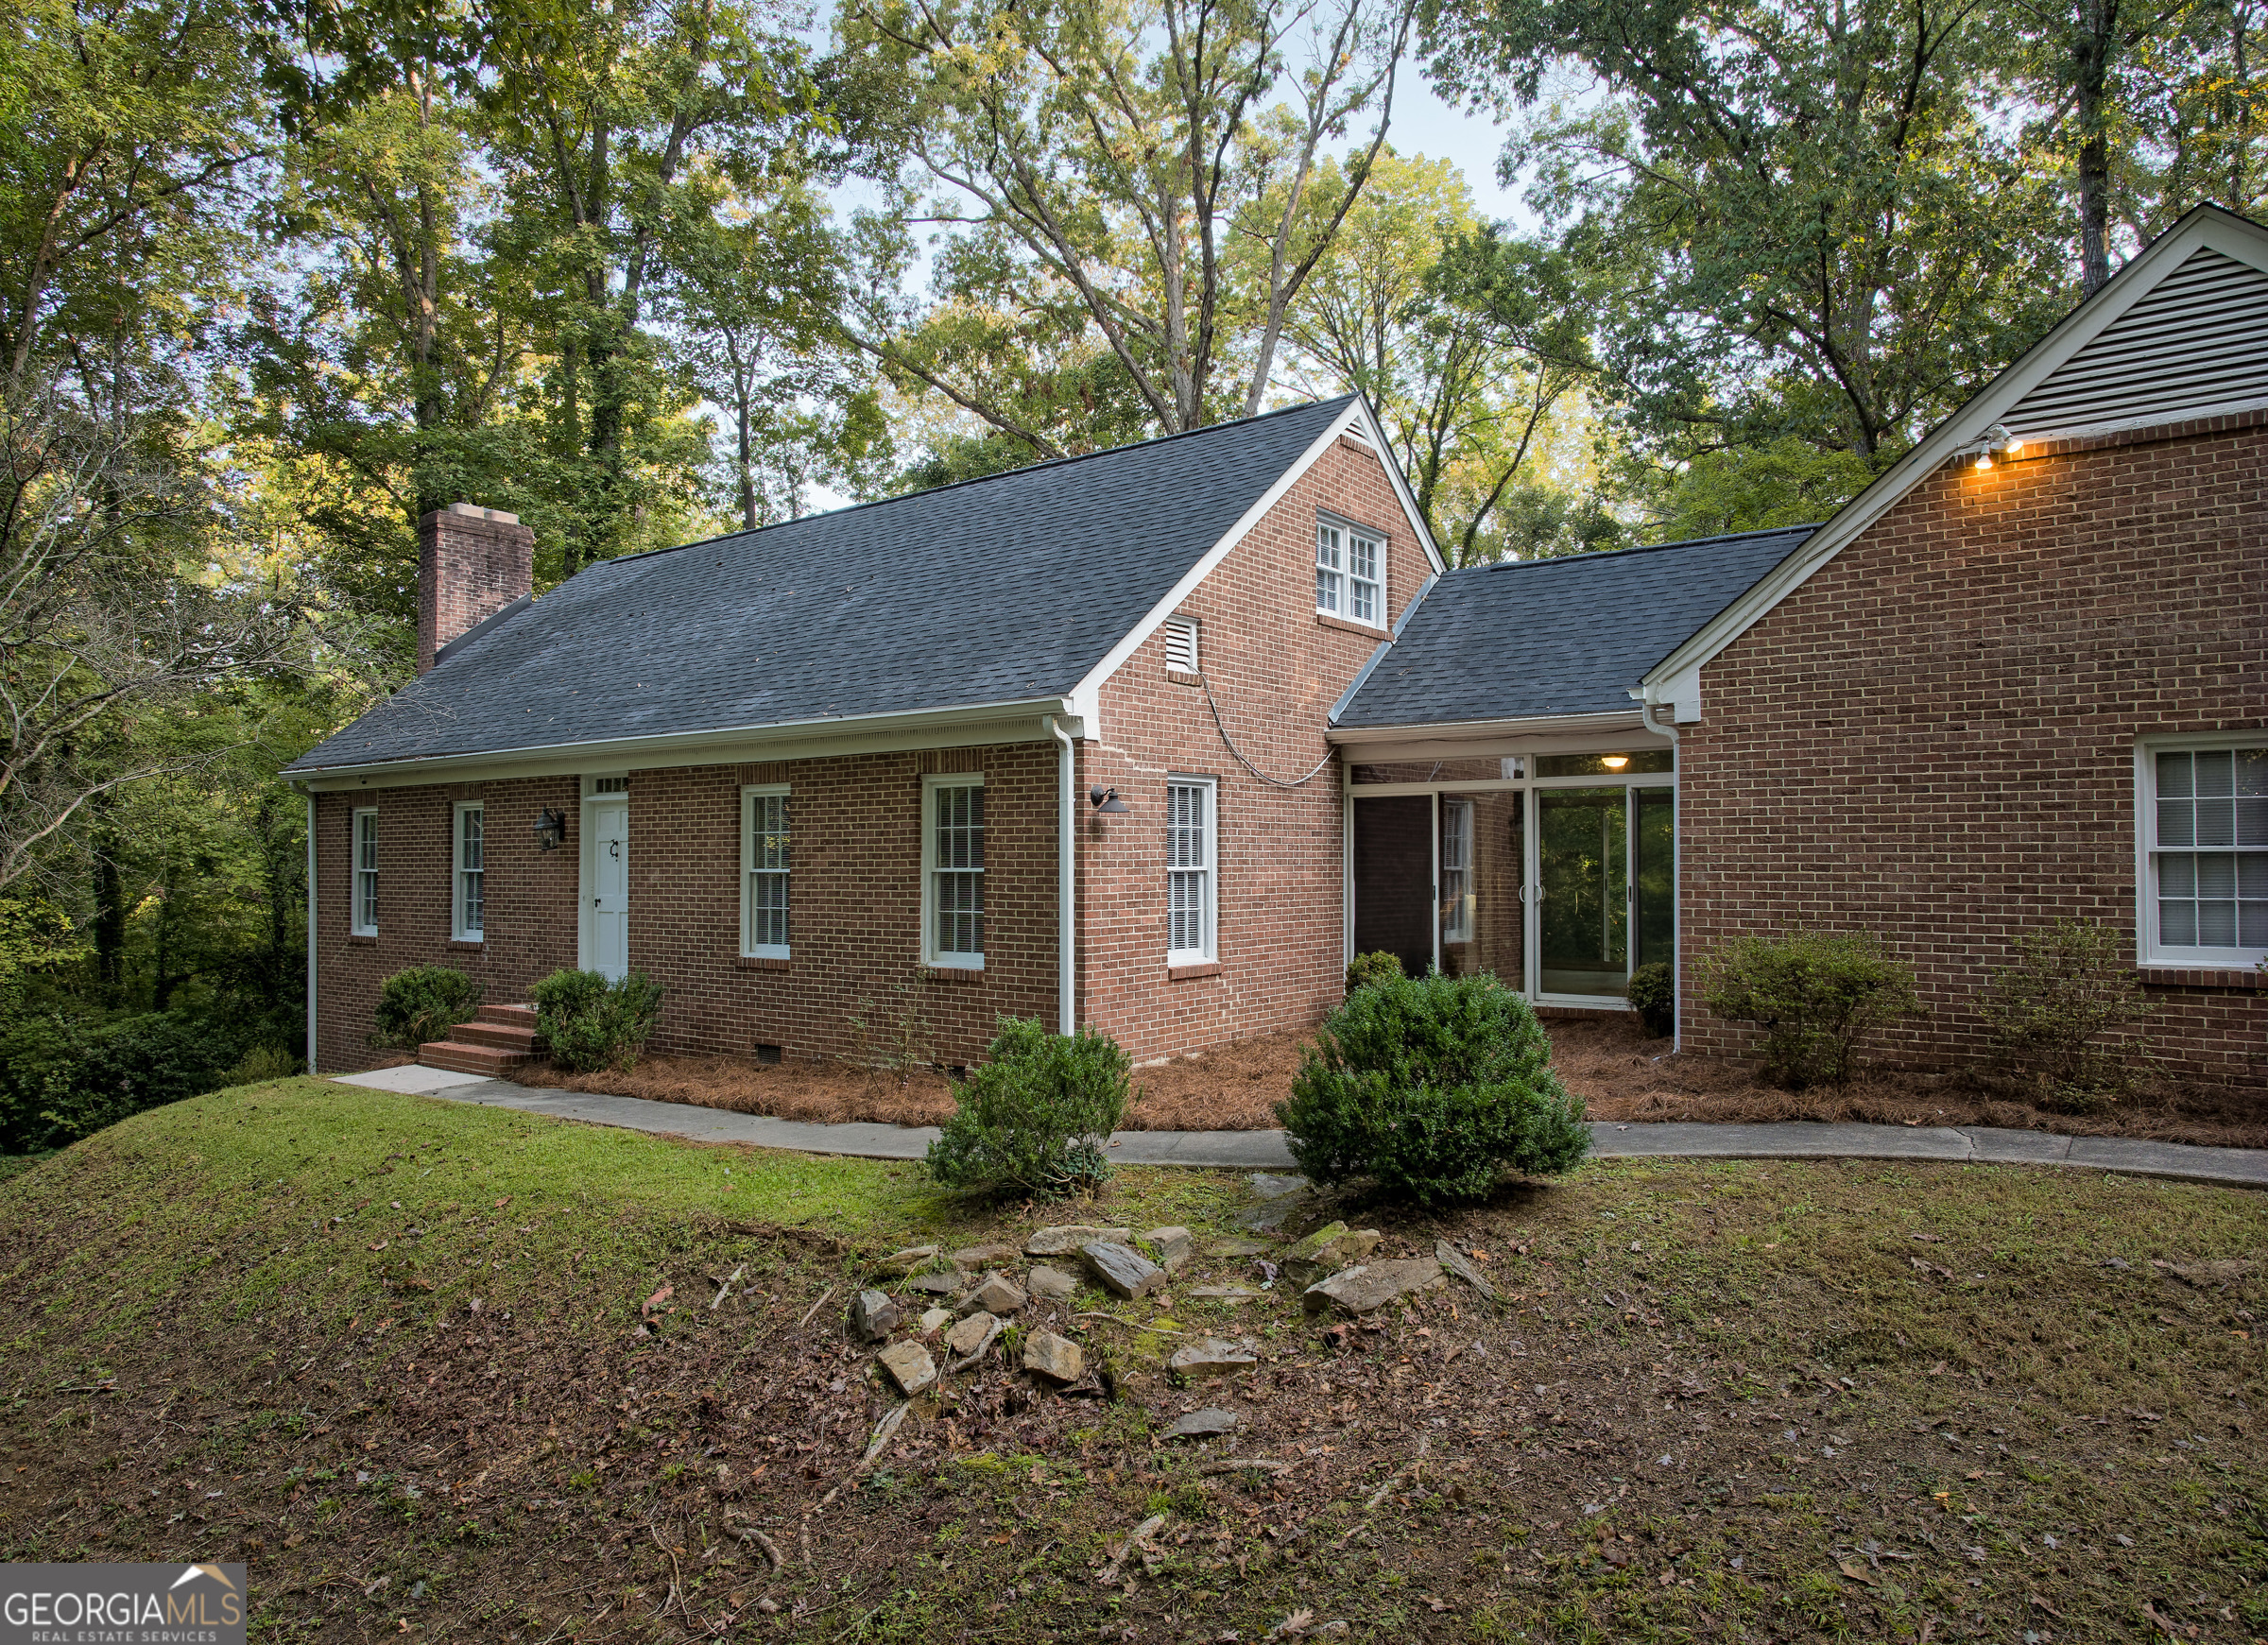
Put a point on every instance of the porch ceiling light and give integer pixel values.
(1614, 762)
(1105, 799)
(551, 829)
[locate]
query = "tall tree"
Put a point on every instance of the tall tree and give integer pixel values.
(1143, 182)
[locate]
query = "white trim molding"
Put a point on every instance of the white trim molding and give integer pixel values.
(468, 861)
(2245, 837)
(969, 866)
(362, 858)
(1192, 866)
(771, 863)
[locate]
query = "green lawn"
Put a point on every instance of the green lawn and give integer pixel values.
(1715, 1400)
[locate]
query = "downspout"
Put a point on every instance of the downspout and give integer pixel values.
(311, 907)
(1067, 1007)
(1645, 713)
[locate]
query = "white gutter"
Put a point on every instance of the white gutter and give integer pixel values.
(311, 907)
(1067, 833)
(1677, 872)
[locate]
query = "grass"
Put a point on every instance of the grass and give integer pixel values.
(1897, 1402)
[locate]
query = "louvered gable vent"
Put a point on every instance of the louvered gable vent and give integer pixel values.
(1181, 643)
(2196, 346)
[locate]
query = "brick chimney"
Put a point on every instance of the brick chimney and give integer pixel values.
(471, 563)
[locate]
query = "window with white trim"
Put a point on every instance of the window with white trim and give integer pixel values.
(363, 914)
(1191, 893)
(1330, 567)
(1181, 643)
(764, 872)
(1350, 573)
(2205, 825)
(469, 902)
(1366, 589)
(953, 870)
(1457, 870)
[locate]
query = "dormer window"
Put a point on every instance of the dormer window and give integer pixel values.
(1350, 573)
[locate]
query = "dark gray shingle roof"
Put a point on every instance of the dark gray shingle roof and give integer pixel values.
(1569, 636)
(997, 589)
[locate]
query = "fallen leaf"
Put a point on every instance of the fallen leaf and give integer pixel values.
(1859, 1573)
(655, 1301)
(505, 1201)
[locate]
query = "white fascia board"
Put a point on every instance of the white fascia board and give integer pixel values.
(1614, 720)
(1385, 453)
(1010, 722)
(2204, 228)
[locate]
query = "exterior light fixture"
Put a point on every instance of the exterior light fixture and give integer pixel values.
(1105, 799)
(551, 829)
(1614, 762)
(1994, 439)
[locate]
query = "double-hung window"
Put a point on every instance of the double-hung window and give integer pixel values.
(468, 903)
(953, 870)
(1191, 891)
(1457, 870)
(1350, 573)
(2204, 827)
(363, 914)
(763, 873)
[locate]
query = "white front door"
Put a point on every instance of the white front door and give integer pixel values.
(606, 923)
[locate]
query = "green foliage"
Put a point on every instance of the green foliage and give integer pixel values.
(421, 1004)
(1653, 994)
(261, 1064)
(2072, 982)
(1367, 970)
(591, 1023)
(1786, 482)
(1434, 1086)
(1815, 994)
(1034, 1119)
(61, 1079)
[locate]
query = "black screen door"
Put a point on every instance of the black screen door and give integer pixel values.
(1394, 878)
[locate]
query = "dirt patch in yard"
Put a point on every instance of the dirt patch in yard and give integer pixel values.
(1621, 1073)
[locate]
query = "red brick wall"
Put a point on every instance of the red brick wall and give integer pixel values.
(854, 904)
(1933, 738)
(1274, 670)
(470, 567)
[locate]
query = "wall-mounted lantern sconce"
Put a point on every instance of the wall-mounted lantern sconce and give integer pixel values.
(1105, 799)
(551, 829)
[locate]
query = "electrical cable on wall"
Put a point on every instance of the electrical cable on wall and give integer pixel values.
(1221, 726)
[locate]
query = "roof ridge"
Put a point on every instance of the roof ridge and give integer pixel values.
(979, 480)
(1495, 565)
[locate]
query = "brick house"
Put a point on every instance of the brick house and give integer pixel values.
(1124, 739)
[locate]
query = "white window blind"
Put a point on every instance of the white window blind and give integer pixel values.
(2208, 854)
(763, 859)
(363, 914)
(1181, 643)
(1457, 870)
(1365, 594)
(472, 878)
(1330, 567)
(1189, 871)
(955, 838)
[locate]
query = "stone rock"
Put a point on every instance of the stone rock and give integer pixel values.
(1327, 1250)
(1236, 1249)
(1052, 1284)
(1369, 1286)
(1203, 1424)
(1122, 1270)
(909, 1366)
(934, 1319)
(874, 1316)
(1174, 1248)
(1201, 1360)
(1269, 1186)
(1268, 1218)
(1456, 1262)
(951, 1283)
(1064, 1241)
(1224, 1292)
(997, 1295)
(1057, 1359)
(981, 1256)
(969, 1336)
(913, 1259)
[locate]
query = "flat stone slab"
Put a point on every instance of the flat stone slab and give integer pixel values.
(1201, 1361)
(1456, 1262)
(1203, 1424)
(1224, 1292)
(908, 1364)
(1238, 1248)
(1066, 1241)
(1052, 1284)
(1268, 1185)
(973, 1332)
(1369, 1286)
(997, 1294)
(1266, 1219)
(934, 1319)
(980, 1257)
(913, 1259)
(1122, 1270)
(1327, 1250)
(1057, 1359)
(1172, 1247)
(951, 1283)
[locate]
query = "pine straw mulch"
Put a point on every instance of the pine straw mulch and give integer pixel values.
(1621, 1074)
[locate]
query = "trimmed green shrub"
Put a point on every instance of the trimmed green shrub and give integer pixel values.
(422, 1003)
(1815, 994)
(2071, 983)
(1036, 1117)
(263, 1063)
(1365, 970)
(1435, 1087)
(1653, 994)
(591, 1023)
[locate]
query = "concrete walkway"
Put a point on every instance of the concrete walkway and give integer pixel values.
(1265, 1150)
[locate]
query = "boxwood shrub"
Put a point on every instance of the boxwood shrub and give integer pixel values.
(422, 1003)
(591, 1023)
(1035, 1116)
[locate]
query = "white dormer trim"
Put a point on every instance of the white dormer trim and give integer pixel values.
(1676, 677)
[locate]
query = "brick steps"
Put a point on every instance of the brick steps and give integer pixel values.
(500, 1039)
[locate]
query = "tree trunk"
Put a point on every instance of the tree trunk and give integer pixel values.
(2092, 43)
(110, 917)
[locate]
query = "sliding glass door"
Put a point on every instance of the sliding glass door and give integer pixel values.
(1606, 885)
